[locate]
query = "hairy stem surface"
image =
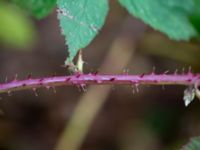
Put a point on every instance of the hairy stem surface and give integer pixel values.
(86, 79)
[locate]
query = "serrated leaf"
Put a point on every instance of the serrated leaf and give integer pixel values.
(15, 28)
(189, 95)
(168, 16)
(80, 22)
(194, 144)
(37, 8)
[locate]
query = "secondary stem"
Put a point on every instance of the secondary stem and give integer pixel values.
(85, 79)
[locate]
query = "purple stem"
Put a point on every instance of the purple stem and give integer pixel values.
(86, 79)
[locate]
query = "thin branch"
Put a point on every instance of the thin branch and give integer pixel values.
(86, 79)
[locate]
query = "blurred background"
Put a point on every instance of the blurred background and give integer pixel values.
(99, 117)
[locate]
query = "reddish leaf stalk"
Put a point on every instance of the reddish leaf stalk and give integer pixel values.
(87, 79)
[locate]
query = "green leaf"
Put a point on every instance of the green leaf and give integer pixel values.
(37, 8)
(168, 16)
(195, 17)
(80, 22)
(15, 29)
(194, 144)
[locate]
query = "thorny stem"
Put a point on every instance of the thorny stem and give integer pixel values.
(86, 79)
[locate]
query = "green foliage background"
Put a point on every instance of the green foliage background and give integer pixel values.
(16, 28)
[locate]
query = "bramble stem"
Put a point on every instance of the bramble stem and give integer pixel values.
(86, 79)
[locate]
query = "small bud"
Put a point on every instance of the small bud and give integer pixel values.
(189, 95)
(70, 66)
(80, 62)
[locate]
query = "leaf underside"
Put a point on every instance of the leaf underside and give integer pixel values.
(168, 16)
(189, 95)
(80, 21)
(194, 144)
